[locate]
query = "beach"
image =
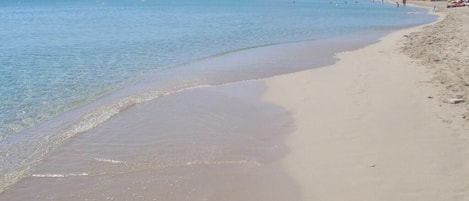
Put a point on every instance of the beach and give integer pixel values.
(380, 120)
(377, 125)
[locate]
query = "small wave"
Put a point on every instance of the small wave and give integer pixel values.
(48, 175)
(100, 115)
(223, 162)
(59, 175)
(105, 160)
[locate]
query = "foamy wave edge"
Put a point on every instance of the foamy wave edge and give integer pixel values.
(59, 175)
(105, 160)
(99, 116)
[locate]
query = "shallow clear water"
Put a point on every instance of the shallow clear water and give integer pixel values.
(58, 56)
(55, 55)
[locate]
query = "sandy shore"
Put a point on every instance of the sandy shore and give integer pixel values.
(443, 49)
(376, 125)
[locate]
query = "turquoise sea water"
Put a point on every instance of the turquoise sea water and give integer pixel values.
(57, 56)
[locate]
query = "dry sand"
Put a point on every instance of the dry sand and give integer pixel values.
(444, 50)
(374, 126)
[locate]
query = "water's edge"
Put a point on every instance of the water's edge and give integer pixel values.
(247, 64)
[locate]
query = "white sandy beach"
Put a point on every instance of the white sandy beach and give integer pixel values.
(374, 126)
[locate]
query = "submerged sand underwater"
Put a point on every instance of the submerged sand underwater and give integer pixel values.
(214, 143)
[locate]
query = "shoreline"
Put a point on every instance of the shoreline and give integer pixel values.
(189, 90)
(239, 66)
(84, 119)
(200, 144)
(366, 128)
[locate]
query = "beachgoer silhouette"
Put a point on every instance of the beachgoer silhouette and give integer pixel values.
(397, 3)
(404, 2)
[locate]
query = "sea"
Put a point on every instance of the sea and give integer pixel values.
(69, 66)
